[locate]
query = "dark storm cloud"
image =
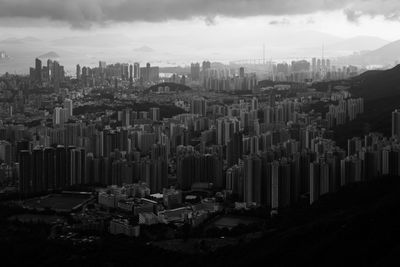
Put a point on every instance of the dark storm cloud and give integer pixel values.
(84, 13)
(352, 15)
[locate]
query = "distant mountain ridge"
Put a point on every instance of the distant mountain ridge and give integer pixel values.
(17, 41)
(144, 49)
(358, 44)
(388, 54)
(49, 55)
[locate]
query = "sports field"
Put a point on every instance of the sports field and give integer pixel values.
(58, 202)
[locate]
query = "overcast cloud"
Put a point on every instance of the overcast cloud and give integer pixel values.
(85, 13)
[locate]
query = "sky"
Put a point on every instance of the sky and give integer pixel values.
(177, 32)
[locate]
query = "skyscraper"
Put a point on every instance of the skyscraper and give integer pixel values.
(130, 75)
(396, 123)
(25, 172)
(241, 72)
(195, 71)
(78, 72)
(155, 114)
(38, 70)
(205, 66)
(136, 70)
(199, 106)
(68, 105)
(102, 65)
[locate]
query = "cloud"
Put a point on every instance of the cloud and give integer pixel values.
(83, 14)
(352, 15)
(280, 22)
(210, 20)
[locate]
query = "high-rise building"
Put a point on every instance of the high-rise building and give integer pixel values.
(205, 66)
(78, 72)
(199, 106)
(155, 114)
(38, 70)
(49, 168)
(252, 179)
(234, 181)
(60, 116)
(5, 152)
(315, 172)
(241, 72)
(396, 123)
(136, 70)
(254, 103)
(130, 75)
(38, 184)
(149, 73)
(68, 105)
(195, 71)
(25, 172)
(314, 65)
(102, 65)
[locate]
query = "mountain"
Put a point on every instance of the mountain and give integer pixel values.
(173, 87)
(105, 41)
(18, 41)
(347, 228)
(49, 55)
(377, 84)
(144, 49)
(381, 92)
(357, 44)
(388, 54)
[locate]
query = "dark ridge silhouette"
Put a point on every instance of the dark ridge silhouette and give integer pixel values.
(377, 84)
(381, 91)
(265, 83)
(173, 87)
(356, 226)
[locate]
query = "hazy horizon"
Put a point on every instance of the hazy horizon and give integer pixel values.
(169, 33)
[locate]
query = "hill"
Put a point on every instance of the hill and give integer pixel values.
(173, 87)
(388, 54)
(381, 92)
(357, 226)
(377, 84)
(357, 44)
(144, 49)
(49, 55)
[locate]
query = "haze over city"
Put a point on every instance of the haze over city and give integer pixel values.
(177, 32)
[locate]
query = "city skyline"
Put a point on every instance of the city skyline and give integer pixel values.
(91, 31)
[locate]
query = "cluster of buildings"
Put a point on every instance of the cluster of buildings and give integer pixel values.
(229, 146)
(131, 73)
(222, 79)
(3, 55)
(345, 111)
(315, 70)
(261, 149)
(51, 75)
(138, 207)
